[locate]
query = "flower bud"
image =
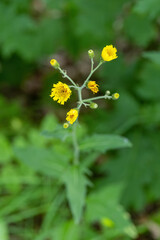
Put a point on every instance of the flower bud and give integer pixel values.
(91, 53)
(93, 105)
(54, 63)
(65, 125)
(115, 96)
(108, 92)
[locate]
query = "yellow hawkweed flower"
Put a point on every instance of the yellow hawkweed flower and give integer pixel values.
(72, 116)
(115, 96)
(60, 92)
(93, 86)
(107, 222)
(54, 63)
(109, 53)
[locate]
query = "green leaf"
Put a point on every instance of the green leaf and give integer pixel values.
(66, 231)
(103, 204)
(138, 168)
(149, 7)
(103, 142)
(58, 133)
(139, 29)
(149, 83)
(153, 56)
(49, 123)
(3, 230)
(45, 161)
(76, 184)
(5, 150)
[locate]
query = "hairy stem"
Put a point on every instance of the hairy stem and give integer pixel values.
(92, 71)
(66, 76)
(75, 145)
(96, 98)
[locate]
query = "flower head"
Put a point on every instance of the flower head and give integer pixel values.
(72, 116)
(115, 96)
(60, 92)
(93, 86)
(109, 53)
(54, 63)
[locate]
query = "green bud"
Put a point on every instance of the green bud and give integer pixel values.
(65, 125)
(91, 53)
(93, 105)
(108, 92)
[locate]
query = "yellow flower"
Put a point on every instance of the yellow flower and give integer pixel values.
(54, 63)
(60, 92)
(115, 96)
(93, 86)
(109, 53)
(107, 222)
(72, 116)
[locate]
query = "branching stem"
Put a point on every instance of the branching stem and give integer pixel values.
(66, 76)
(80, 103)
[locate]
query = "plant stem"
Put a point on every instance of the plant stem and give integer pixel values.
(92, 63)
(75, 145)
(66, 76)
(92, 71)
(96, 98)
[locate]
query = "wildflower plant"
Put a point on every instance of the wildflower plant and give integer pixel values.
(70, 163)
(61, 92)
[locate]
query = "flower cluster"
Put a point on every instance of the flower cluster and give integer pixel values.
(61, 92)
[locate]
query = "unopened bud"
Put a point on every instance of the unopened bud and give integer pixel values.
(91, 53)
(65, 125)
(115, 96)
(54, 63)
(108, 92)
(93, 105)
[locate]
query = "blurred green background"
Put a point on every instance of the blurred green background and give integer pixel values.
(32, 200)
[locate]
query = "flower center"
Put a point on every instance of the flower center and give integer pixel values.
(109, 51)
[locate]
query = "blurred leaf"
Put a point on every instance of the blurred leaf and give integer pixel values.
(58, 133)
(107, 206)
(148, 7)
(88, 13)
(35, 138)
(45, 161)
(49, 123)
(153, 56)
(138, 170)
(67, 231)
(150, 114)
(148, 87)
(103, 142)
(139, 29)
(31, 43)
(76, 184)
(5, 150)
(3, 230)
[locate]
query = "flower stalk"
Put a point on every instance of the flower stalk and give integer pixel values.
(61, 93)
